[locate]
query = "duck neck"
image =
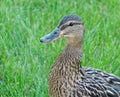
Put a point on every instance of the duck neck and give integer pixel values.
(73, 53)
(69, 60)
(74, 42)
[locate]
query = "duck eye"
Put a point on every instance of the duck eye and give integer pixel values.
(71, 24)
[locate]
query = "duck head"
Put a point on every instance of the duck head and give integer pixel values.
(71, 26)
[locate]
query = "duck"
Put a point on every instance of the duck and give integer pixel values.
(67, 76)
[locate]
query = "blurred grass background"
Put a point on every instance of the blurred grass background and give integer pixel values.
(25, 62)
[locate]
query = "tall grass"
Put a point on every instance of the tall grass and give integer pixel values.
(25, 62)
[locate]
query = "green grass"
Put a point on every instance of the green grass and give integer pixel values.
(25, 62)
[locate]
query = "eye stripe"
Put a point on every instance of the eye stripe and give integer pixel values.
(65, 26)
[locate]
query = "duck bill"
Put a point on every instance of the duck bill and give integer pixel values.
(51, 36)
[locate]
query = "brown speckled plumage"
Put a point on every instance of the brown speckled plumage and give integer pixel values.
(67, 78)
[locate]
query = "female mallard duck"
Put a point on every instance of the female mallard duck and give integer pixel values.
(67, 77)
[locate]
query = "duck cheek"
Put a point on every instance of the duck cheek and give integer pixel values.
(69, 36)
(63, 33)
